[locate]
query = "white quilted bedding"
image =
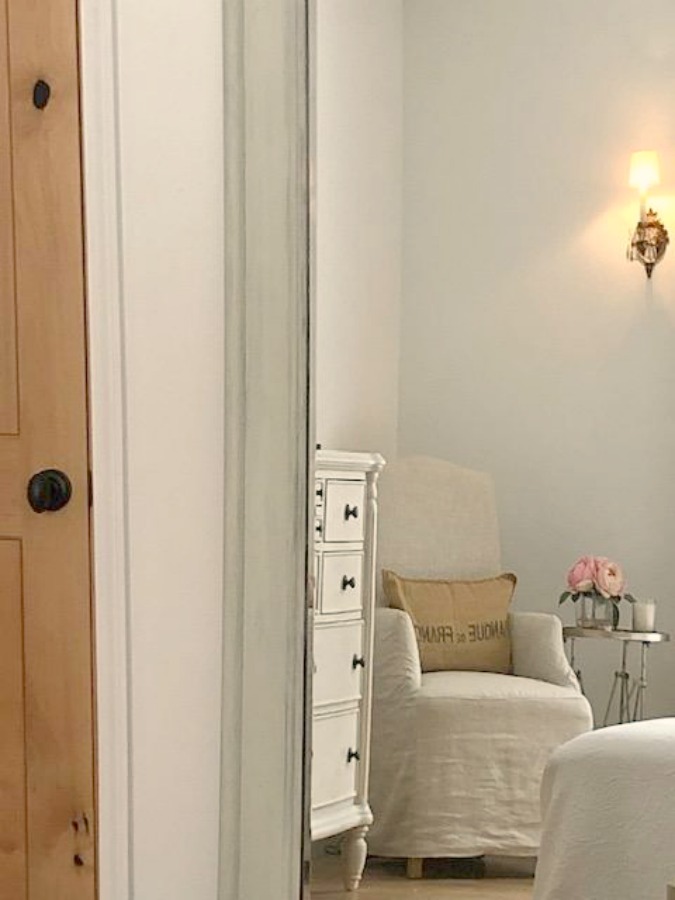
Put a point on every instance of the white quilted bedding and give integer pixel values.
(609, 815)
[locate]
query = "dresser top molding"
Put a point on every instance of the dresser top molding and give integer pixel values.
(349, 461)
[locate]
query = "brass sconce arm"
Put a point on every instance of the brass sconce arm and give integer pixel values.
(649, 242)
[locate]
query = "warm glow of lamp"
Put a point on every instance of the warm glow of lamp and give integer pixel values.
(644, 170)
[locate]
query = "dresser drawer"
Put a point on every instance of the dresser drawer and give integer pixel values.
(341, 582)
(334, 765)
(338, 663)
(344, 511)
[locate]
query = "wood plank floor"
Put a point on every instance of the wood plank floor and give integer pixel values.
(386, 880)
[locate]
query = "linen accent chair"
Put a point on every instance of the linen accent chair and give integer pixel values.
(458, 757)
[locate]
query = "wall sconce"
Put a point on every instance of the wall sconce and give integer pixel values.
(650, 238)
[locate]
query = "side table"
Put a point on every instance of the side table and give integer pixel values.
(628, 695)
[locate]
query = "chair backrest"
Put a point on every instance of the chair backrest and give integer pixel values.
(436, 519)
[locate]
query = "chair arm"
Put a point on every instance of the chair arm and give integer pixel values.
(538, 649)
(397, 672)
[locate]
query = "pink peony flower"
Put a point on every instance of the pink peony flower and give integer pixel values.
(581, 577)
(609, 579)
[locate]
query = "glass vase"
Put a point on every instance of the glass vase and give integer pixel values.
(595, 612)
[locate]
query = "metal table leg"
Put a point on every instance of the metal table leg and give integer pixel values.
(621, 680)
(639, 708)
(576, 671)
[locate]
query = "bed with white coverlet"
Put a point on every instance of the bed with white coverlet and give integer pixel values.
(608, 800)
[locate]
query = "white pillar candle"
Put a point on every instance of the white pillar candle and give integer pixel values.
(644, 615)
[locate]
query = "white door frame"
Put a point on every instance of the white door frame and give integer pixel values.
(266, 446)
(267, 388)
(108, 442)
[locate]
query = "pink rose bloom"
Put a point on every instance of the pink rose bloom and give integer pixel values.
(609, 579)
(581, 577)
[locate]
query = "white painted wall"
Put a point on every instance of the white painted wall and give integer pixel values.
(530, 348)
(171, 125)
(357, 241)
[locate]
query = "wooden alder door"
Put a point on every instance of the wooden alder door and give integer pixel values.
(47, 813)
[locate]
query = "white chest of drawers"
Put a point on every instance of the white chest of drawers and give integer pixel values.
(345, 540)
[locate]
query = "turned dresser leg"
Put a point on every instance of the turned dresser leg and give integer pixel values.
(354, 851)
(415, 866)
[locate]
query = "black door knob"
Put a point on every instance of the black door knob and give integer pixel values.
(49, 490)
(41, 94)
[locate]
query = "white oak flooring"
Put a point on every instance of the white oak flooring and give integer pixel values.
(386, 880)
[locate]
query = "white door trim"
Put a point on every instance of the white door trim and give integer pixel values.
(266, 450)
(107, 430)
(267, 454)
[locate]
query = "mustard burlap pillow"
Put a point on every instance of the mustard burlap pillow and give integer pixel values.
(459, 624)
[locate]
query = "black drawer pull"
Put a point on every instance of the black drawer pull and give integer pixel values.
(351, 511)
(348, 582)
(319, 492)
(358, 661)
(353, 754)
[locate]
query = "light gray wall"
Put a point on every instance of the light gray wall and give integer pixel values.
(171, 194)
(357, 239)
(530, 347)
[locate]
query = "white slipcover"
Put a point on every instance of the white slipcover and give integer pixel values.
(436, 519)
(457, 757)
(609, 815)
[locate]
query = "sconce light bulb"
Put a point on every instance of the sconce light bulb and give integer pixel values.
(644, 171)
